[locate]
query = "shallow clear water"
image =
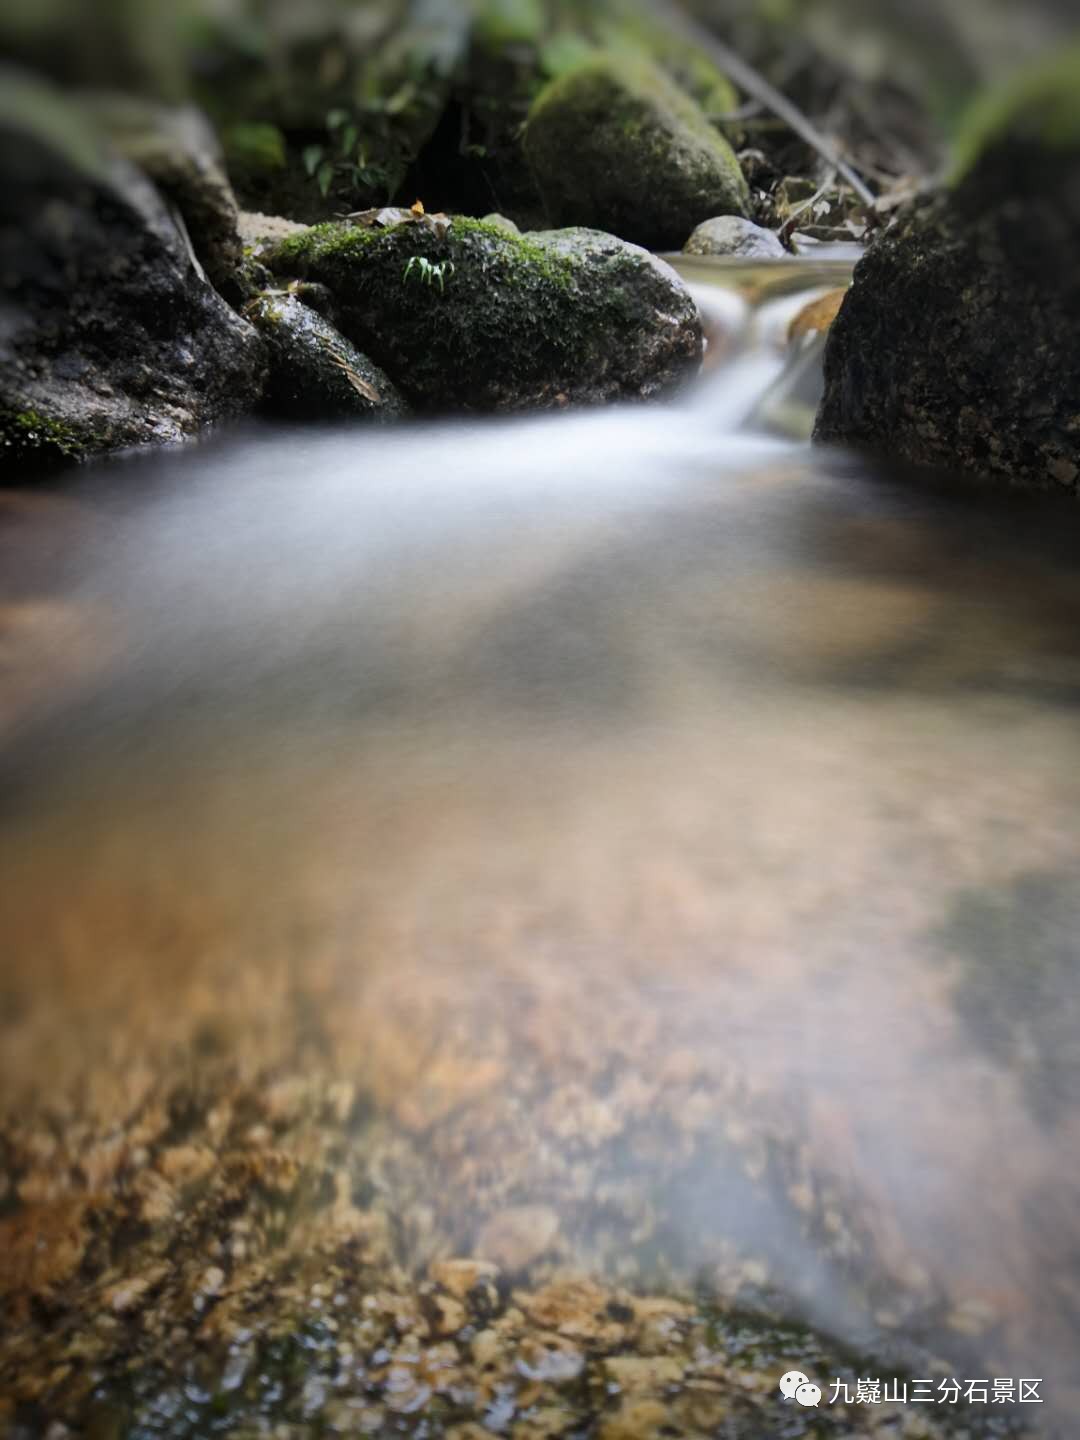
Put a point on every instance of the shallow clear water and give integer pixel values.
(661, 824)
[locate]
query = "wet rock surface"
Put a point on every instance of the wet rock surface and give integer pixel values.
(616, 145)
(110, 337)
(465, 315)
(177, 149)
(955, 347)
(314, 372)
(733, 235)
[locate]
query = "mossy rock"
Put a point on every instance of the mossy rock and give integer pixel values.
(112, 337)
(639, 34)
(518, 47)
(956, 345)
(464, 315)
(315, 373)
(31, 440)
(615, 144)
(1038, 110)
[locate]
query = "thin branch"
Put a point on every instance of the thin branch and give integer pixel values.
(790, 223)
(753, 83)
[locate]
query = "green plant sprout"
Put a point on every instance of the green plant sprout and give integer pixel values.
(345, 159)
(430, 274)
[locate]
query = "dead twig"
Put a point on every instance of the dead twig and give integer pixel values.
(791, 223)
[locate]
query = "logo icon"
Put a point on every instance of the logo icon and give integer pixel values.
(800, 1388)
(790, 1382)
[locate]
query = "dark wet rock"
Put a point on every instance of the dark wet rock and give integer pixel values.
(617, 145)
(178, 149)
(732, 235)
(108, 335)
(464, 315)
(956, 346)
(315, 373)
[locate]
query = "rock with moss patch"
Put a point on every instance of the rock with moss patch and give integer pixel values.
(956, 346)
(732, 235)
(110, 336)
(617, 145)
(466, 316)
(315, 373)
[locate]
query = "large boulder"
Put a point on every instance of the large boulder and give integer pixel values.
(465, 315)
(956, 346)
(616, 144)
(109, 336)
(518, 47)
(315, 373)
(177, 148)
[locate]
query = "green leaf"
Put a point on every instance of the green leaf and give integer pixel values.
(325, 177)
(349, 137)
(401, 99)
(313, 155)
(335, 119)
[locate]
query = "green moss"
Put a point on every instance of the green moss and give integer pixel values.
(615, 144)
(1041, 107)
(27, 434)
(328, 252)
(320, 243)
(563, 52)
(488, 260)
(518, 322)
(637, 35)
(525, 253)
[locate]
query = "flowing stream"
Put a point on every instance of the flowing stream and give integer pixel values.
(660, 841)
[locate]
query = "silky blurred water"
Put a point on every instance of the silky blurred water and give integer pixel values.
(642, 733)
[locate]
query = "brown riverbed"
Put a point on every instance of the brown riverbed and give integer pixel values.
(494, 957)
